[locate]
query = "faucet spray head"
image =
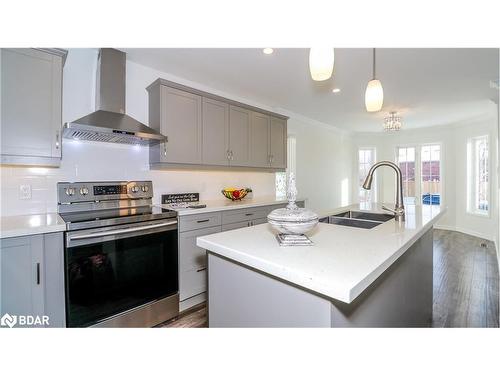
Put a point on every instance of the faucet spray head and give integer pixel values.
(367, 185)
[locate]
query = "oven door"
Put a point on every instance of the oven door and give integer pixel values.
(114, 269)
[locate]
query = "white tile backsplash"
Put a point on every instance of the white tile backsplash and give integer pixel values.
(92, 161)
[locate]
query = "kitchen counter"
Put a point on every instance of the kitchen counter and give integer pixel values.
(343, 261)
(25, 225)
(226, 204)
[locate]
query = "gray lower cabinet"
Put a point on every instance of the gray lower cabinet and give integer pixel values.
(205, 130)
(32, 277)
(193, 263)
(31, 106)
(193, 259)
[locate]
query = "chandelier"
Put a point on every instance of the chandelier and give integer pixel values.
(392, 122)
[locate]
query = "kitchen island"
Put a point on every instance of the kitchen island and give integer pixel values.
(350, 277)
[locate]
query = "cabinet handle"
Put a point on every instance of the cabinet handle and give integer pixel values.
(202, 221)
(57, 140)
(271, 159)
(38, 274)
(165, 148)
(249, 214)
(228, 155)
(231, 155)
(201, 269)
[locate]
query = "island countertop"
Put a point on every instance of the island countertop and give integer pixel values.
(343, 261)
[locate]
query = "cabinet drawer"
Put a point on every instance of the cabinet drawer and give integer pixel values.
(236, 216)
(192, 257)
(193, 222)
(192, 282)
(231, 226)
(259, 221)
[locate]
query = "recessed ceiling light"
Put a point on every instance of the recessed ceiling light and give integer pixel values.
(268, 51)
(336, 90)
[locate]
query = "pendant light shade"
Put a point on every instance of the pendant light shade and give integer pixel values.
(321, 61)
(374, 94)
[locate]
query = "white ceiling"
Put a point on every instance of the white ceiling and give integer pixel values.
(427, 87)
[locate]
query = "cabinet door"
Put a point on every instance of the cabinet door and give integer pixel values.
(239, 136)
(21, 271)
(181, 123)
(277, 142)
(192, 263)
(259, 140)
(215, 132)
(31, 120)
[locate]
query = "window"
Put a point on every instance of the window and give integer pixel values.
(405, 159)
(478, 192)
(281, 180)
(430, 167)
(366, 158)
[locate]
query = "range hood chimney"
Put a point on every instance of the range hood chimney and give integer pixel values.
(109, 123)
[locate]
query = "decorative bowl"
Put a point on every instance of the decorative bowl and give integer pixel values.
(235, 194)
(293, 228)
(293, 220)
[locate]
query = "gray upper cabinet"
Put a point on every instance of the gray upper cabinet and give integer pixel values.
(277, 143)
(239, 136)
(176, 114)
(215, 132)
(259, 140)
(206, 130)
(32, 277)
(31, 106)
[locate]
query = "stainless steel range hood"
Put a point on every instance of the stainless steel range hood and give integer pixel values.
(109, 123)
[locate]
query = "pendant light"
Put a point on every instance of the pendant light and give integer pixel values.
(321, 61)
(374, 95)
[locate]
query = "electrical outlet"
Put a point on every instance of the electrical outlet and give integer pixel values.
(24, 191)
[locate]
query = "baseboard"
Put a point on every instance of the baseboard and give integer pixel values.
(193, 301)
(466, 231)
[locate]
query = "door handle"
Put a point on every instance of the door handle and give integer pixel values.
(38, 273)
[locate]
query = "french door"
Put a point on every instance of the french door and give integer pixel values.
(421, 169)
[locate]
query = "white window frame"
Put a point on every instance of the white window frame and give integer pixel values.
(374, 194)
(418, 168)
(472, 176)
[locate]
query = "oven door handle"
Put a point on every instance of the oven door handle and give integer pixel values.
(120, 231)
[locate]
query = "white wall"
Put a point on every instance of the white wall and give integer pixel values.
(100, 161)
(324, 164)
(453, 139)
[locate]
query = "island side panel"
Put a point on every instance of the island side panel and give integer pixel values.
(241, 297)
(401, 297)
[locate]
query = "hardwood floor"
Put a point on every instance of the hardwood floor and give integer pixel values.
(195, 317)
(465, 285)
(465, 281)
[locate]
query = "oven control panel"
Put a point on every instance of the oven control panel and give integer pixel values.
(76, 192)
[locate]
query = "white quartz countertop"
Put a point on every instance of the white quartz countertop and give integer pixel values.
(25, 225)
(343, 261)
(226, 204)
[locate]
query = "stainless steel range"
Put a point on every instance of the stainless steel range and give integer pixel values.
(121, 256)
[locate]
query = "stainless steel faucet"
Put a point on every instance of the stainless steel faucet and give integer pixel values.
(399, 210)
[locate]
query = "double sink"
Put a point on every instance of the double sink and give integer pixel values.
(358, 219)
